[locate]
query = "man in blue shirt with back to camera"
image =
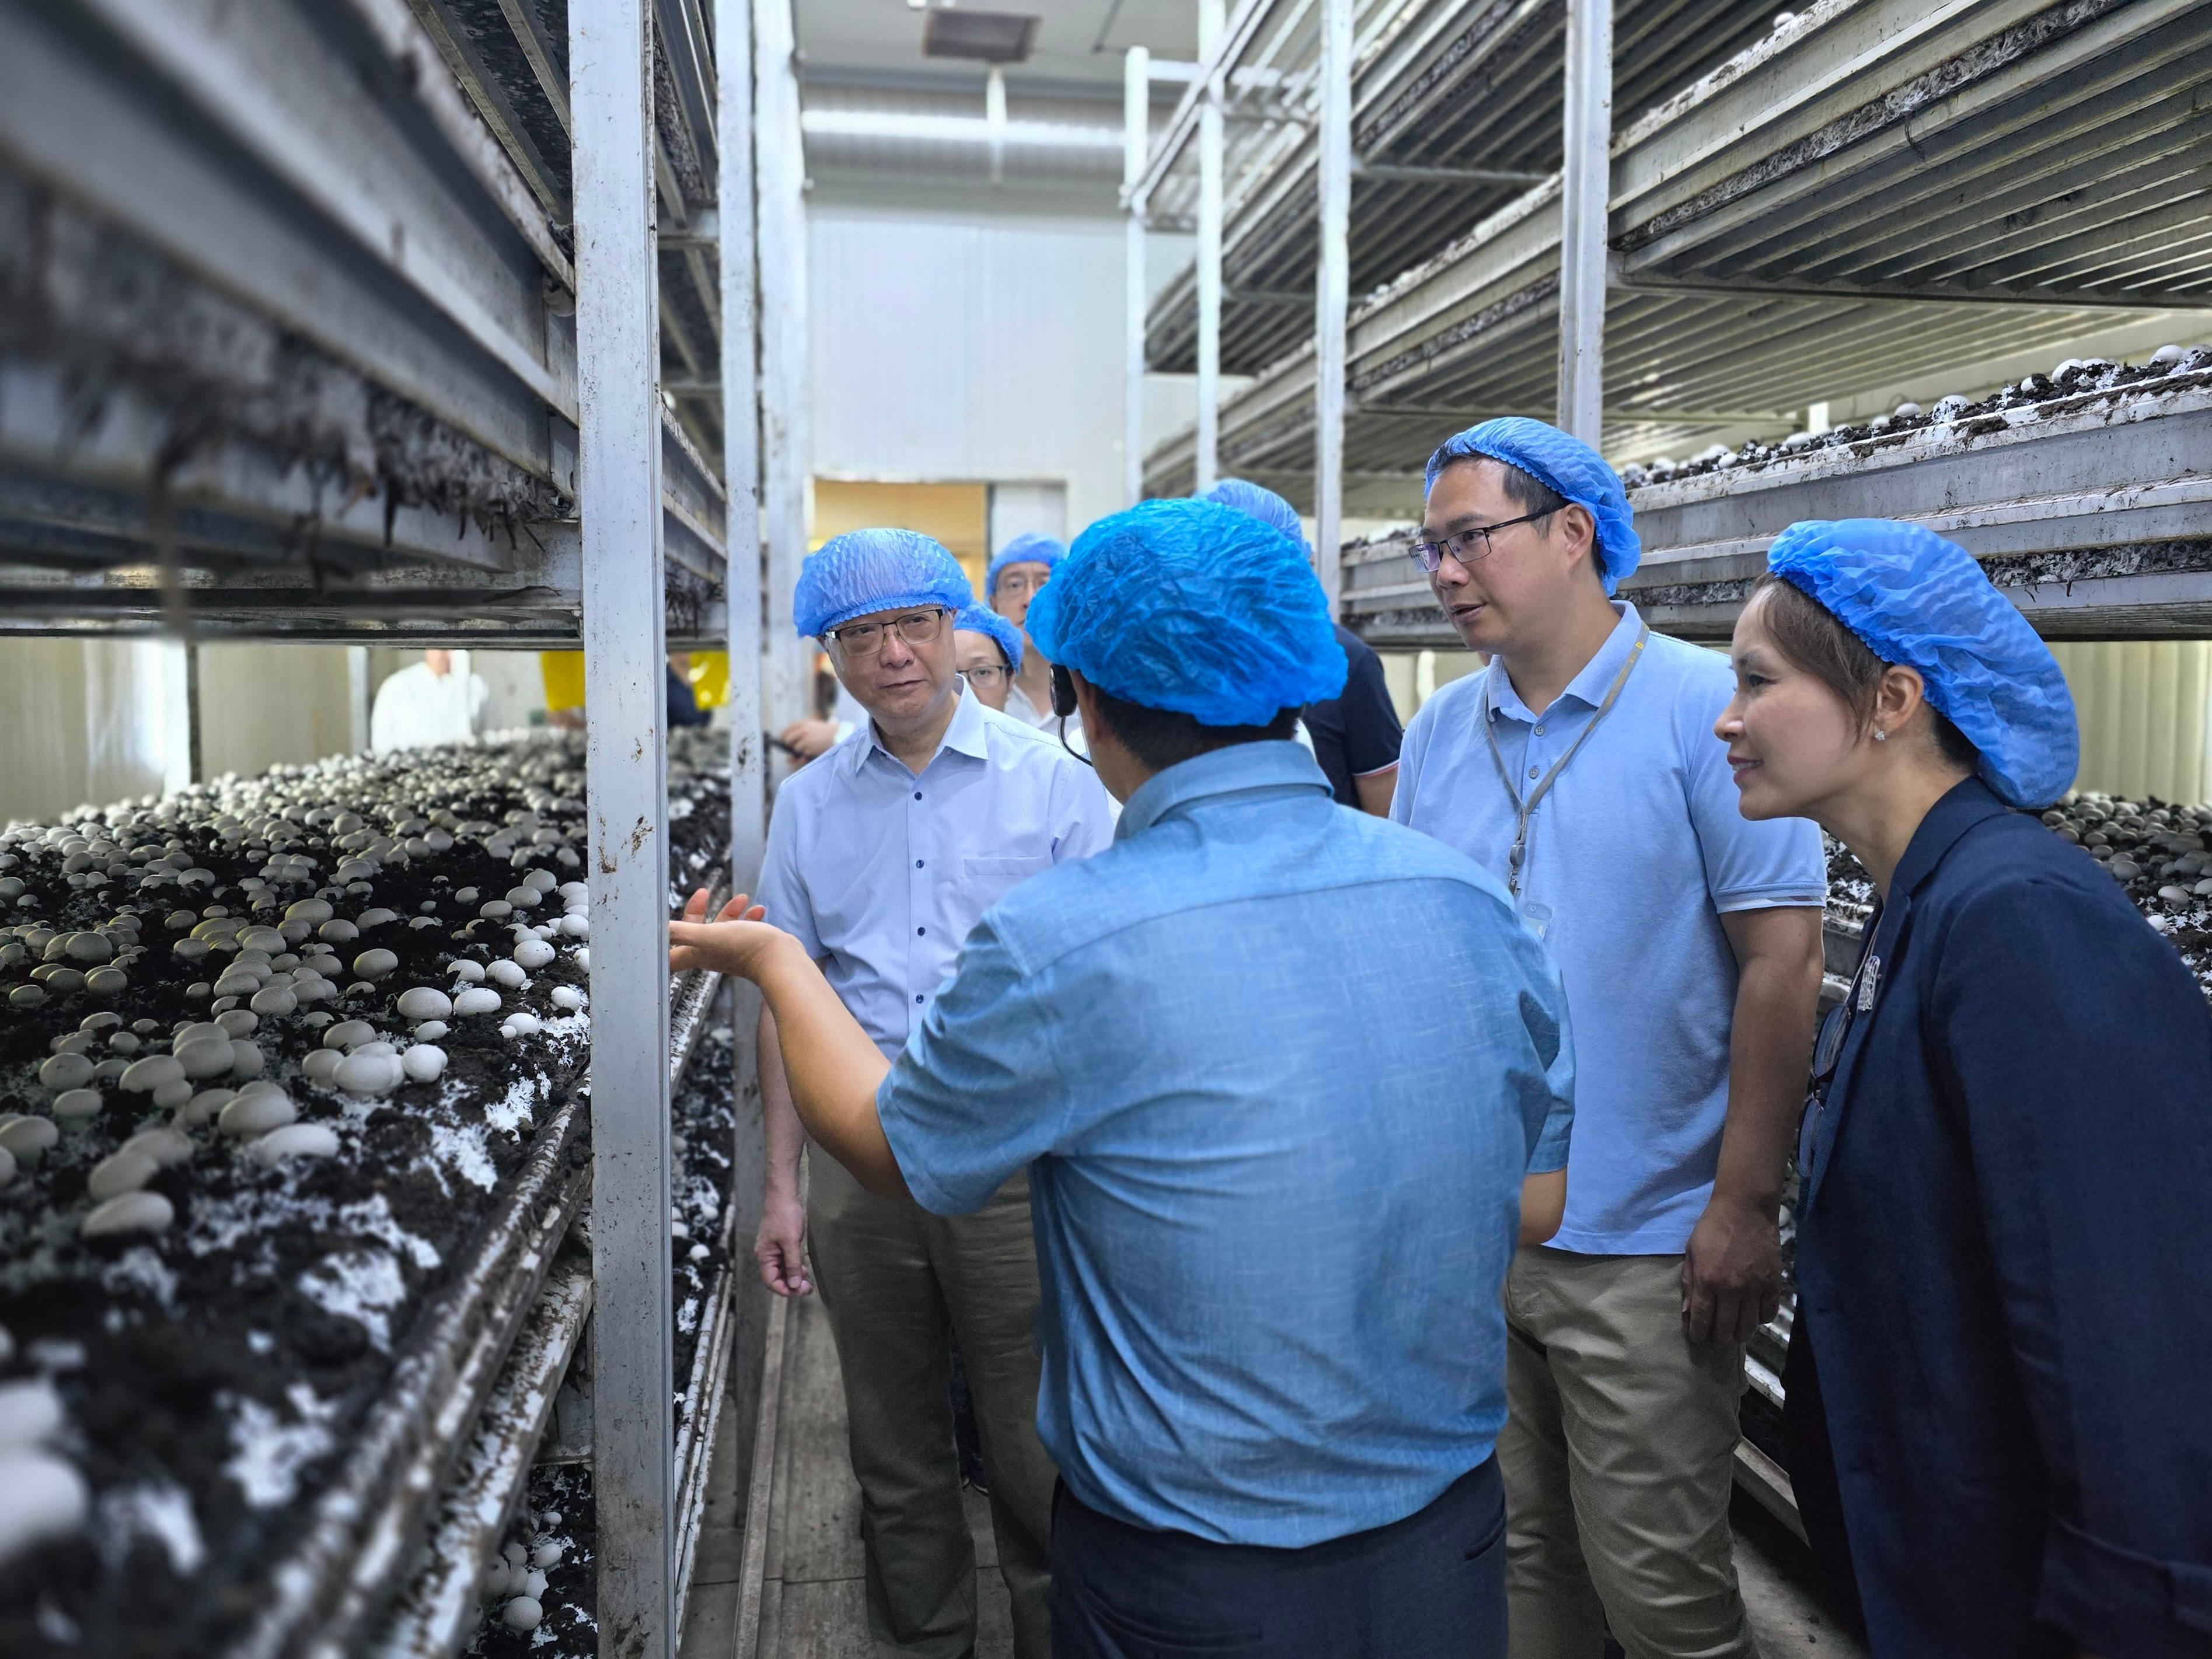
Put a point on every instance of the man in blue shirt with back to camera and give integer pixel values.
(1289, 1082)
(1579, 769)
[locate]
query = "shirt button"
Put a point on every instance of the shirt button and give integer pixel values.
(1540, 731)
(921, 930)
(917, 864)
(1532, 771)
(917, 998)
(917, 794)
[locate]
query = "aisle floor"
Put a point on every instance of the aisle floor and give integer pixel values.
(813, 1602)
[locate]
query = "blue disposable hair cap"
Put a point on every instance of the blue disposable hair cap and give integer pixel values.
(1263, 504)
(1030, 547)
(1920, 601)
(1569, 467)
(1192, 607)
(977, 619)
(864, 571)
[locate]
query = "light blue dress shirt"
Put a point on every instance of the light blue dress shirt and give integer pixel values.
(1278, 1069)
(1632, 857)
(881, 873)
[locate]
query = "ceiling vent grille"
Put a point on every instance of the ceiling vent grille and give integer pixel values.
(984, 37)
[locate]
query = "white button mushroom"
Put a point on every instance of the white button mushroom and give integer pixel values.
(239, 1022)
(568, 997)
(523, 898)
(107, 981)
(424, 1063)
(337, 931)
(376, 917)
(547, 1556)
(29, 1137)
(203, 1106)
(256, 1114)
(467, 972)
(508, 972)
(424, 1002)
(375, 965)
(200, 1056)
(364, 1073)
(142, 1077)
(310, 910)
(321, 1065)
(273, 999)
(165, 1146)
(66, 1070)
(430, 1030)
(119, 1173)
(129, 1213)
(245, 1059)
(477, 999)
(295, 1140)
(349, 1034)
(533, 953)
(77, 1105)
(576, 924)
(522, 1613)
(521, 1023)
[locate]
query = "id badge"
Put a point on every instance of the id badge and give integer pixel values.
(1536, 917)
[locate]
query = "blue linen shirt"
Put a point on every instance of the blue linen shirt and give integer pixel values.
(880, 874)
(1278, 1069)
(1634, 856)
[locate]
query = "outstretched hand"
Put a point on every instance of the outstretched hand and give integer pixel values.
(736, 941)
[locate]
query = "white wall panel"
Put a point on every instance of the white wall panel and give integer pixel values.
(2142, 705)
(985, 349)
(84, 722)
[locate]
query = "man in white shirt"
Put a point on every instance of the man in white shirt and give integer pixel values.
(434, 700)
(881, 857)
(1016, 575)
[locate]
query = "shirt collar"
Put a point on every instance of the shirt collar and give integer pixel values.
(1240, 768)
(1589, 686)
(1964, 806)
(965, 735)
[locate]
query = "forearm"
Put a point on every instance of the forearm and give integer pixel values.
(1374, 790)
(779, 1117)
(832, 1068)
(1770, 1052)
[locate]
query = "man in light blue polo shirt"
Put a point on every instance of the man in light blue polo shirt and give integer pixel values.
(1289, 1082)
(1579, 769)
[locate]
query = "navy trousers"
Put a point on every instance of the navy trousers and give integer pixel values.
(1432, 1586)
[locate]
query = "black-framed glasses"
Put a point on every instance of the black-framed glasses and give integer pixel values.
(865, 638)
(985, 674)
(1469, 544)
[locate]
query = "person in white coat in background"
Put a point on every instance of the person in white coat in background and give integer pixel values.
(434, 700)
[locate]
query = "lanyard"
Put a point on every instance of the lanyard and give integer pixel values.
(1523, 805)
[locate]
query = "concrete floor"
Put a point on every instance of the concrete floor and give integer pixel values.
(811, 1601)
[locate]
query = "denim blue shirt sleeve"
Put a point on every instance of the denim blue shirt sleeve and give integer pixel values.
(1277, 1070)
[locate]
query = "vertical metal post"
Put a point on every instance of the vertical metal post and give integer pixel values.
(1585, 187)
(1136, 141)
(357, 705)
(734, 55)
(625, 681)
(1210, 20)
(784, 386)
(1332, 295)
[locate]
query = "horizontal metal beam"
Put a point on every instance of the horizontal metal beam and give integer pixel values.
(1964, 293)
(1388, 173)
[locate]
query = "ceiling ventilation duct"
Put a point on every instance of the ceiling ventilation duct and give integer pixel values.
(956, 136)
(983, 37)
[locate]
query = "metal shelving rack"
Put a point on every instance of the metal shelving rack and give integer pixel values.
(1872, 190)
(416, 322)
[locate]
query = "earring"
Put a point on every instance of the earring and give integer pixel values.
(1880, 736)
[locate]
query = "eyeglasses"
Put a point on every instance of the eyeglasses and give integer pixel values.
(1470, 545)
(865, 638)
(985, 676)
(1011, 581)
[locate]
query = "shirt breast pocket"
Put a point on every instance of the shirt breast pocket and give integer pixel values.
(984, 882)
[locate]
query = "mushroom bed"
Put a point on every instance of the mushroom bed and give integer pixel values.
(271, 1052)
(2161, 854)
(559, 1624)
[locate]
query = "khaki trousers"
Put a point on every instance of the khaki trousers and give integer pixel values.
(1617, 1454)
(895, 1281)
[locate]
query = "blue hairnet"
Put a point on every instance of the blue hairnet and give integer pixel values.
(865, 570)
(1030, 547)
(1192, 607)
(976, 620)
(1923, 603)
(1263, 504)
(1570, 467)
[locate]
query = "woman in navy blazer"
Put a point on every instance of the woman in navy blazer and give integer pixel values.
(2004, 1256)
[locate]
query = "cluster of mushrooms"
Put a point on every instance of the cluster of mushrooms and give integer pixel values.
(2020, 402)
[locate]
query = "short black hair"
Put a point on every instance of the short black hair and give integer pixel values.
(1523, 488)
(1161, 737)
